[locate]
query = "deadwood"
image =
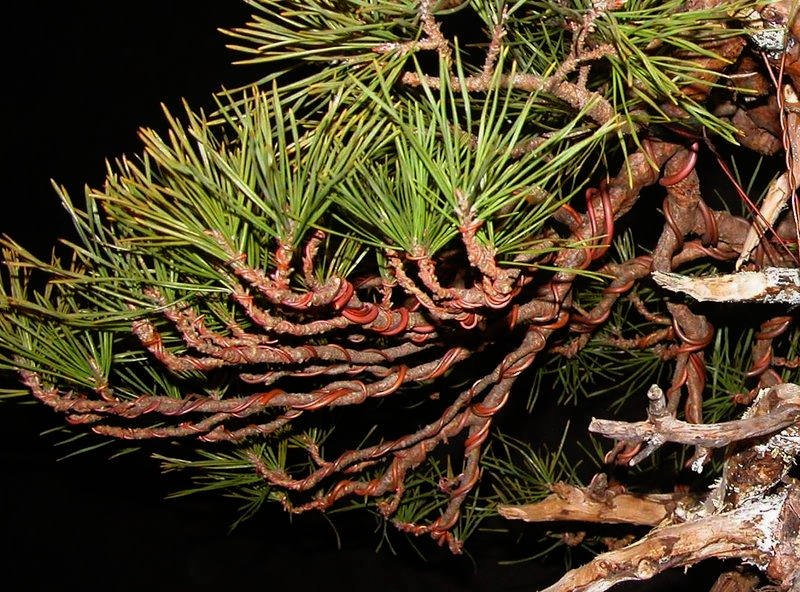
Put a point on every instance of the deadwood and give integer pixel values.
(407, 223)
(763, 532)
(593, 504)
(661, 428)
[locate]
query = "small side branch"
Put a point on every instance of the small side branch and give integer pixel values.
(597, 107)
(660, 428)
(781, 189)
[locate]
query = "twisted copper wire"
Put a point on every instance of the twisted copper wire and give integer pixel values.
(513, 317)
(710, 232)
(679, 378)
(713, 252)
(691, 347)
(478, 416)
(344, 294)
(792, 364)
(770, 330)
(671, 223)
(300, 302)
(590, 321)
(574, 215)
(501, 302)
(470, 321)
(589, 196)
(310, 253)
(623, 452)
(621, 289)
(627, 453)
(554, 315)
(401, 375)
(685, 171)
(362, 315)
(643, 341)
(328, 397)
(690, 344)
(221, 434)
(612, 293)
(751, 206)
(392, 327)
(561, 321)
(444, 364)
(608, 218)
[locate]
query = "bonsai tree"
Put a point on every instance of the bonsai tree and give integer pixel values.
(339, 287)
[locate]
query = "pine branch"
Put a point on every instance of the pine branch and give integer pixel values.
(661, 427)
(392, 214)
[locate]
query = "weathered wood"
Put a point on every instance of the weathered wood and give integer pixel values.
(748, 533)
(657, 430)
(771, 285)
(568, 502)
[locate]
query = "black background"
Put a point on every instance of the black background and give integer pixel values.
(79, 79)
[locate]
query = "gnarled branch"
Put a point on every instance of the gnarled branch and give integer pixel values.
(660, 428)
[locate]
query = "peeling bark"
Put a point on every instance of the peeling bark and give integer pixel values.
(752, 513)
(771, 285)
(568, 502)
(745, 533)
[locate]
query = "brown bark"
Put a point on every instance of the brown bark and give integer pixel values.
(568, 502)
(745, 533)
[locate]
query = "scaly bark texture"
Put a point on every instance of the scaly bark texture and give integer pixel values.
(388, 227)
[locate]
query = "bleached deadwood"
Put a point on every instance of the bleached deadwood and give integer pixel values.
(771, 285)
(753, 513)
(774, 203)
(753, 468)
(660, 428)
(763, 532)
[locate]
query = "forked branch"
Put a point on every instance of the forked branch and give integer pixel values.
(661, 427)
(761, 532)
